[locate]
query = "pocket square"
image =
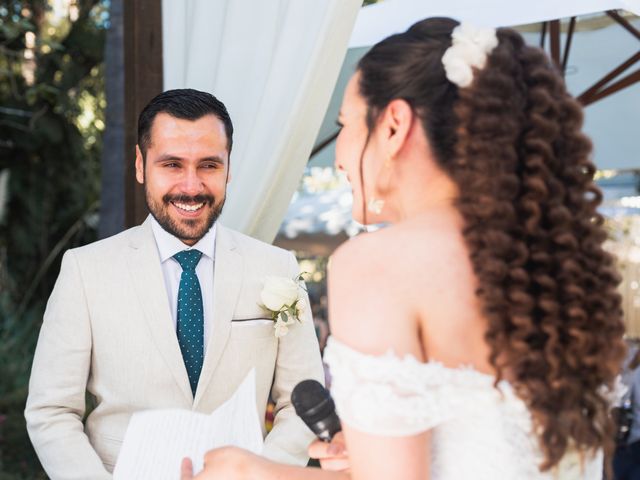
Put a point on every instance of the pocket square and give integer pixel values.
(252, 321)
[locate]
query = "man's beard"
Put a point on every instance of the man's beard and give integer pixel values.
(186, 230)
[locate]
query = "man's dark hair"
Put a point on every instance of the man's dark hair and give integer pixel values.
(186, 104)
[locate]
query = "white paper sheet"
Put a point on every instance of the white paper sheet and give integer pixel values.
(157, 440)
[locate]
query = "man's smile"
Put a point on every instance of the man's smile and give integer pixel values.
(188, 208)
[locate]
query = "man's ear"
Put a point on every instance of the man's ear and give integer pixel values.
(397, 119)
(139, 165)
(228, 170)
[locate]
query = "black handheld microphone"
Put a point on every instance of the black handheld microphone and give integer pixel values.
(315, 407)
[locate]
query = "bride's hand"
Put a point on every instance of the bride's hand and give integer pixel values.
(333, 455)
(230, 463)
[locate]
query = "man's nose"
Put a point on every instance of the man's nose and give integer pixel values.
(191, 182)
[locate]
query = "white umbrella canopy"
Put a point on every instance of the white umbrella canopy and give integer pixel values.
(380, 20)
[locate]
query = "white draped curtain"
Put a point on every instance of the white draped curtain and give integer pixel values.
(274, 64)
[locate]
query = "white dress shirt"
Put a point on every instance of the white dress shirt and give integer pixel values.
(168, 246)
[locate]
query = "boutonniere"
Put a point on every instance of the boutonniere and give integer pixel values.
(282, 298)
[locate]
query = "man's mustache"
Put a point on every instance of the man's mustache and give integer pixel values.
(200, 198)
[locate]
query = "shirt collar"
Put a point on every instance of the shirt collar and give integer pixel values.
(168, 245)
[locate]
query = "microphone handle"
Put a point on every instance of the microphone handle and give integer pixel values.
(327, 428)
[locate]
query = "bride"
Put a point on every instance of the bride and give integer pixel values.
(478, 336)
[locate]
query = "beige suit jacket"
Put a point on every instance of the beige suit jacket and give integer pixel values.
(108, 331)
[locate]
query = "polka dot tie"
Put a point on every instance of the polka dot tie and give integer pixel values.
(190, 316)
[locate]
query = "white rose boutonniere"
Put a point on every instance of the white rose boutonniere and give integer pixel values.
(281, 297)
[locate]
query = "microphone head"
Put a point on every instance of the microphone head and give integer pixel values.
(314, 405)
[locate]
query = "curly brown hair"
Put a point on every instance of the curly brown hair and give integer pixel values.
(512, 142)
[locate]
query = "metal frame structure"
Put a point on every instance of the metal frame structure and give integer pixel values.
(608, 84)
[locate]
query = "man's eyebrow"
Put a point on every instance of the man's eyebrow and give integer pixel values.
(213, 158)
(170, 156)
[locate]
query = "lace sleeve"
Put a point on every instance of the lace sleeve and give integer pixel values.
(389, 395)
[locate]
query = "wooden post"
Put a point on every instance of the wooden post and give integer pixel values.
(142, 82)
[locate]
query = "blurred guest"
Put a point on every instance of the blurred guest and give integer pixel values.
(626, 461)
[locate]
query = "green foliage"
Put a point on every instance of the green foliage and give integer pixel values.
(51, 121)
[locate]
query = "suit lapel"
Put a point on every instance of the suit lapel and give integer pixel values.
(227, 280)
(146, 274)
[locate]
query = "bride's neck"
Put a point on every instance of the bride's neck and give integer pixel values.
(419, 195)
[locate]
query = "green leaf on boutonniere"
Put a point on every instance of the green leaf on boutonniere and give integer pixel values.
(300, 278)
(284, 317)
(292, 309)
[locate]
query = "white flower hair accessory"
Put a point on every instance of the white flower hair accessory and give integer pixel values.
(470, 47)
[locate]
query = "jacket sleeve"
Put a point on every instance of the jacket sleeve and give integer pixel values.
(56, 401)
(298, 359)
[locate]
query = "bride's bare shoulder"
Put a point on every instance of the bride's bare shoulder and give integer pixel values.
(403, 247)
(391, 259)
(356, 250)
(365, 295)
(392, 274)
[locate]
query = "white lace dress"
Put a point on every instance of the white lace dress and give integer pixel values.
(478, 431)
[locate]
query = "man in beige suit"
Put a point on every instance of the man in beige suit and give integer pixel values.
(166, 314)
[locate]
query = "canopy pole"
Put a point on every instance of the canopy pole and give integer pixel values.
(586, 97)
(567, 45)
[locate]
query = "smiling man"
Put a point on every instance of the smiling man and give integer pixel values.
(166, 314)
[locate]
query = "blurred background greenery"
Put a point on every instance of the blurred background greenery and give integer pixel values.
(52, 104)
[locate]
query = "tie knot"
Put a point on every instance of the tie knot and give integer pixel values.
(188, 259)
